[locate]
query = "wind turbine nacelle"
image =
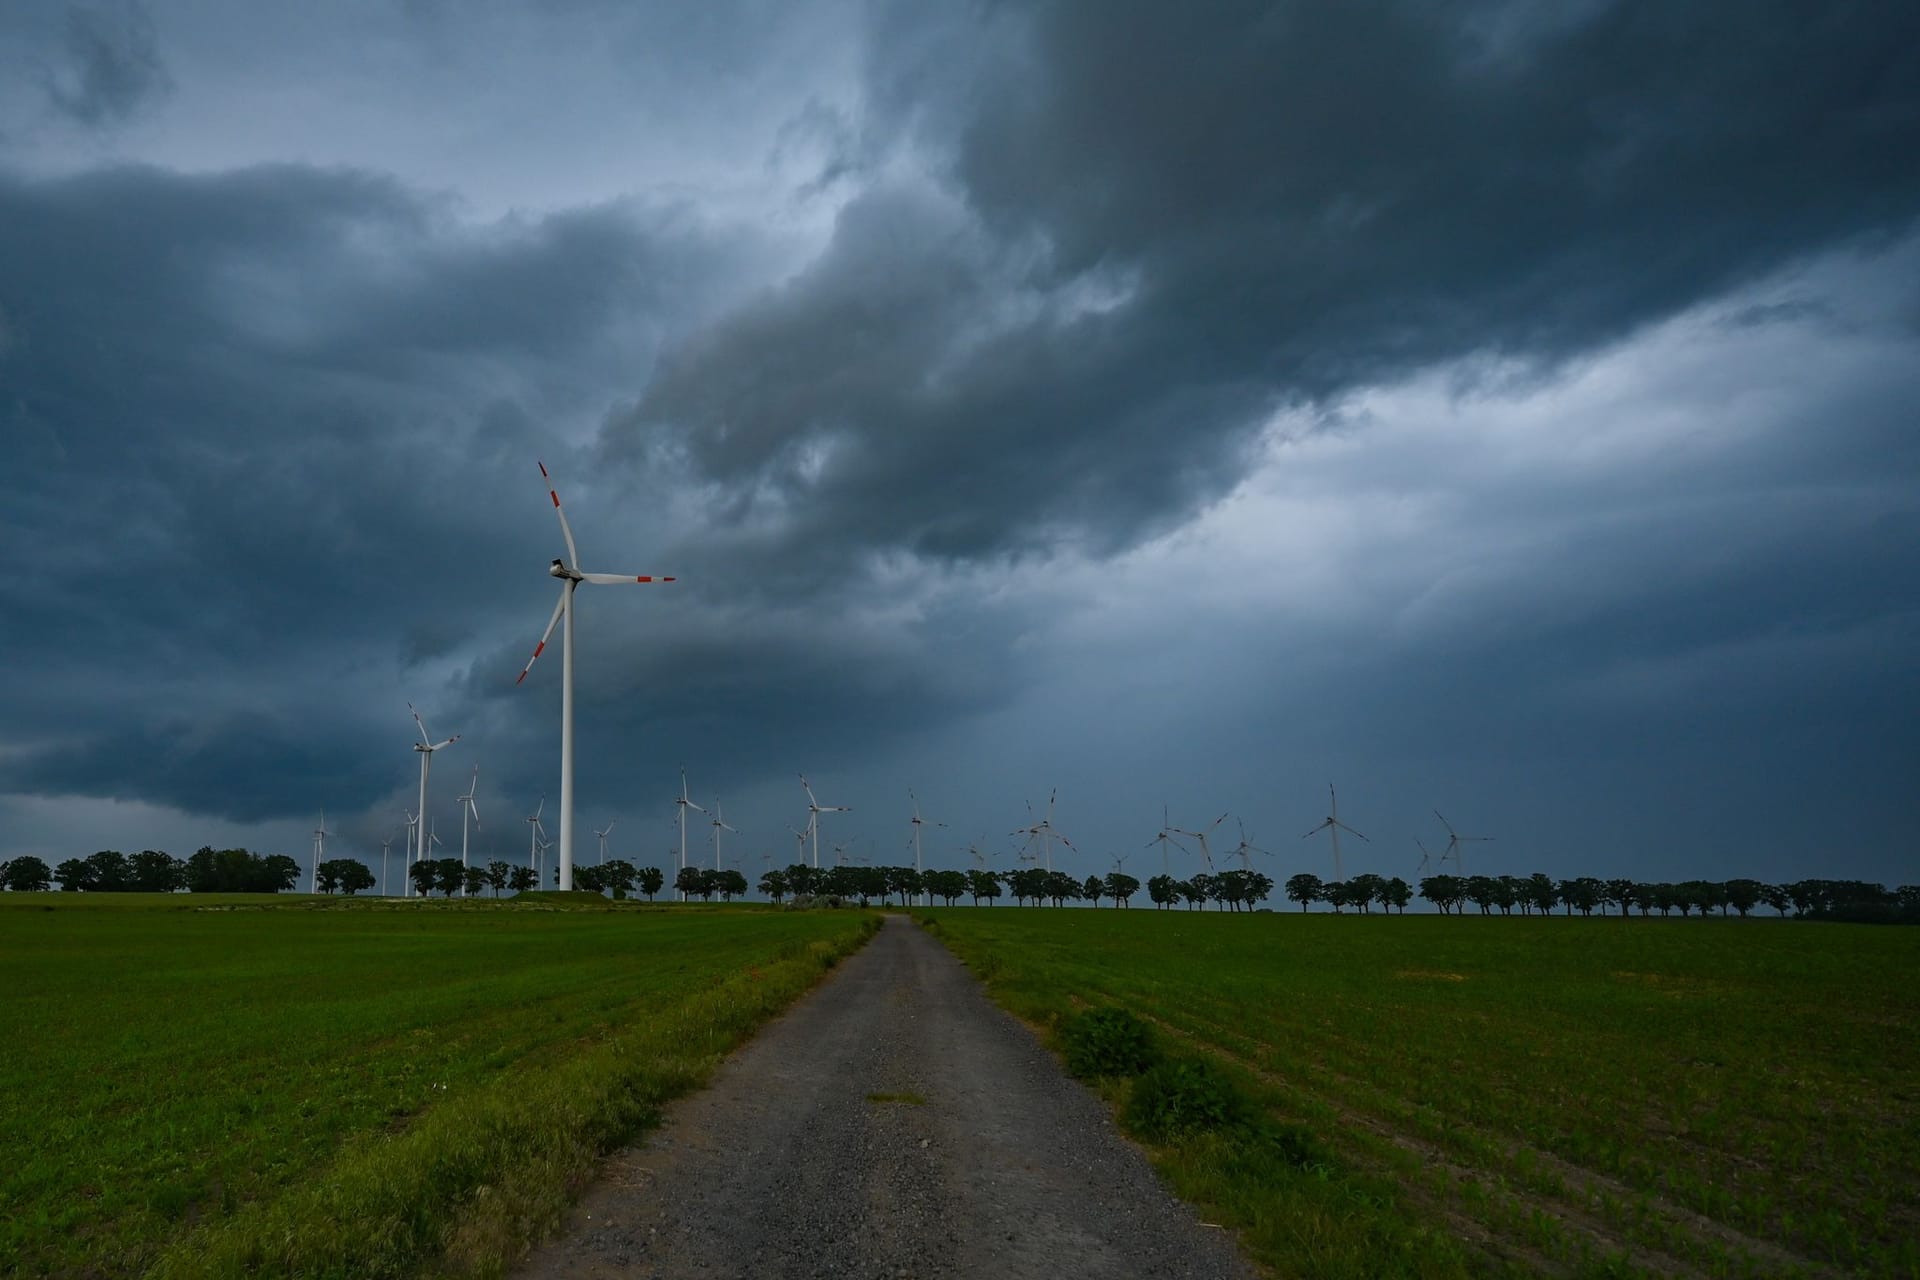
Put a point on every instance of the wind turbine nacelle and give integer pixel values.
(558, 569)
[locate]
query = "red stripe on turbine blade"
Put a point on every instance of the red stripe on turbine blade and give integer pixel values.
(543, 468)
(669, 579)
(523, 674)
(537, 650)
(554, 496)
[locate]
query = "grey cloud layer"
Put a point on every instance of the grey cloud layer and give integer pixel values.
(1157, 229)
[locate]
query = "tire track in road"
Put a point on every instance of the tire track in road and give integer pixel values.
(893, 1123)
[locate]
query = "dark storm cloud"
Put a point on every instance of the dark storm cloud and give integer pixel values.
(262, 423)
(1156, 229)
(110, 66)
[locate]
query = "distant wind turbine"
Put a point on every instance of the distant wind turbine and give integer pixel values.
(814, 810)
(602, 833)
(426, 747)
(1044, 831)
(919, 822)
(468, 810)
(719, 824)
(571, 577)
(535, 834)
(1246, 848)
(1201, 837)
(320, 834)
(1426, 859)
(681, 805)
(386, 847)
(1164, 839)
(413, 856)
(1454, 841)
(1333, 827)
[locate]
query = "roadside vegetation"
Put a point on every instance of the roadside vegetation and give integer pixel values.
(1421, 1097)
(236, 1085)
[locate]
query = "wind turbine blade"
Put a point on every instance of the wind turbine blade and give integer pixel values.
(609, 579)
(552, 622)
(566, 530)
(1349, 830)
(609, 830)
(424, 735)
(449, 742)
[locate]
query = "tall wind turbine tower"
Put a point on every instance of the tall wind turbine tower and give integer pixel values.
(568, 571)
(535, 834)
(814, 810)
(683, 803)
(426, 747)
(601, 834)
(1333, 827)
(468, 810)
(320, 834)
(918, 822)
(719, 823)
(1164, 839)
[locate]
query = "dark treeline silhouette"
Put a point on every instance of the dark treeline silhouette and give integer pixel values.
(1541, 894)
(154, 871)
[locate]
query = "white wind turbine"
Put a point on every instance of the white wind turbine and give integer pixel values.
(1044, 831)
(320, 834)
(426, 747)
(386, 847)
(683, 804)
(919, 822)
(602, 833)
(1454, 841)
(719, 824)
(814, 810)
(1246, 848)
(800, 835)
(535, 834)
(1164, 839)
(1202, 836)
(568, 571)
(1333, 827)
(468, 810)
(1426, 859)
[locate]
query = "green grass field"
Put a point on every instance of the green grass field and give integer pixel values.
(276, 1087)
(1465, 1096)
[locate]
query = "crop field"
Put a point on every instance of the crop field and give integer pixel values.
(1441, 1096)
(227, 1086)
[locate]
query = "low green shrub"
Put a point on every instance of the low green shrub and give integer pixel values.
(1183, 1096)
(1107, 1042)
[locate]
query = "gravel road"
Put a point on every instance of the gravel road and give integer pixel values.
(894, 1123)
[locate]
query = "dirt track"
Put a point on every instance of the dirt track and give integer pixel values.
(894, 1123)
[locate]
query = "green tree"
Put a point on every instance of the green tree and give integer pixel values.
(1336, 895)
(619, 877)
(983, 884)
(449, 877)
(75, 875)
(948, 886)
(730, 883)
(1776, 897)
(1622, 893)
(686, 882)
(1744, 895)
(1192, 892)
(773, 883)
(472, 881)
(1093, 889)
(1400, 893)
(1304, 888)
(1160, 891)
(154, 871)
(523, 880)
(1364, 890)
(652, 880)
(1446, 892)
(423, 874)
(905, 881)
(28, 874)
(590, 878)
(350, 874)
(1120, 887)
(110, 872)
(497, 876)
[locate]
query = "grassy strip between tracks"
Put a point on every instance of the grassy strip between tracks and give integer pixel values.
(365, 1090)
(1433, 1097)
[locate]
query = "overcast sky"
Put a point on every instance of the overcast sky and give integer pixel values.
(1507, 408)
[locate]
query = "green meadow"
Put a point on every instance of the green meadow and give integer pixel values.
(199, 1085)
(1463, 1096)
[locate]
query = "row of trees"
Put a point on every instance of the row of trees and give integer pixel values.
(241, 871)
(1540, 894)
(152, 871)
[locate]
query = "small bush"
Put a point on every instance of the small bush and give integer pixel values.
(1181, 1096)
(1107, 1042)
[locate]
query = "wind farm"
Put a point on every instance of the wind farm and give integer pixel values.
(1496, 418)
